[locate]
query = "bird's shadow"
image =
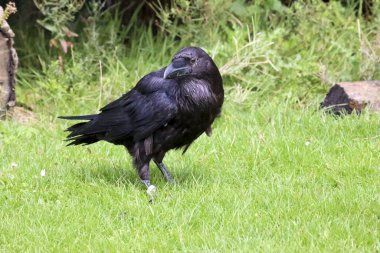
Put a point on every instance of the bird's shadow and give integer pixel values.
(107, 174)
(126, 176)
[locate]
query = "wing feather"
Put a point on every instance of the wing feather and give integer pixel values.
(135, 115)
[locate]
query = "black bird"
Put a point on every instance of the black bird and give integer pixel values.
(167, 109)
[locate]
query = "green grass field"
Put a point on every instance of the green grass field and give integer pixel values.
(277, 175)
(271, 178)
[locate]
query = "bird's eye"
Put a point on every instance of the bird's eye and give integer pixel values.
(192, 61)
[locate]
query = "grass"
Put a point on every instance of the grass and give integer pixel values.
(278, 174)
(272, 178)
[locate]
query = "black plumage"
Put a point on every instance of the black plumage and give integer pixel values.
(167, 109)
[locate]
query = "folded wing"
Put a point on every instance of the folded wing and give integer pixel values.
(133, 117)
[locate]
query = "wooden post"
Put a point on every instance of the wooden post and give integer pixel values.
(8, 67)
(350, 96)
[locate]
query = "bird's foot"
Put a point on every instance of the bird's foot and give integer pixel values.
(170, 181)
(151, 190)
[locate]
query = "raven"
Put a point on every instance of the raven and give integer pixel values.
(167, 109)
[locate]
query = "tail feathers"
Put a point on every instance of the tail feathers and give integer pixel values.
(75, 129)
(78, 132)
(83, 139)
(83, 117)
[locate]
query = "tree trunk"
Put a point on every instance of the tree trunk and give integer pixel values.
(349, 96)
(8, 67)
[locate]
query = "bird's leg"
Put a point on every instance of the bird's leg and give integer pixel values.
(143, 171)
(165, 172)
(141, 164)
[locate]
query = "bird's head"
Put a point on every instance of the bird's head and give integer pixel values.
(190, 61)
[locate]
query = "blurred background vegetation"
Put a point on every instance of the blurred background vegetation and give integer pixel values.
(278, 175)
(86, 53)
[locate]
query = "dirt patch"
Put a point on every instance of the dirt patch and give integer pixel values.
(22, 115)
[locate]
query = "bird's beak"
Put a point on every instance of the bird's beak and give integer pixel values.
(177, 68)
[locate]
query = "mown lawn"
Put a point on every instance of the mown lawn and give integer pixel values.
(275, 176)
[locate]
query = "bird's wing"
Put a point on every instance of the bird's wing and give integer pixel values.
(151, 113)
(150, 83)
(135, 115)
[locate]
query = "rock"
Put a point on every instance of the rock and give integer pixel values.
(353, 96)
